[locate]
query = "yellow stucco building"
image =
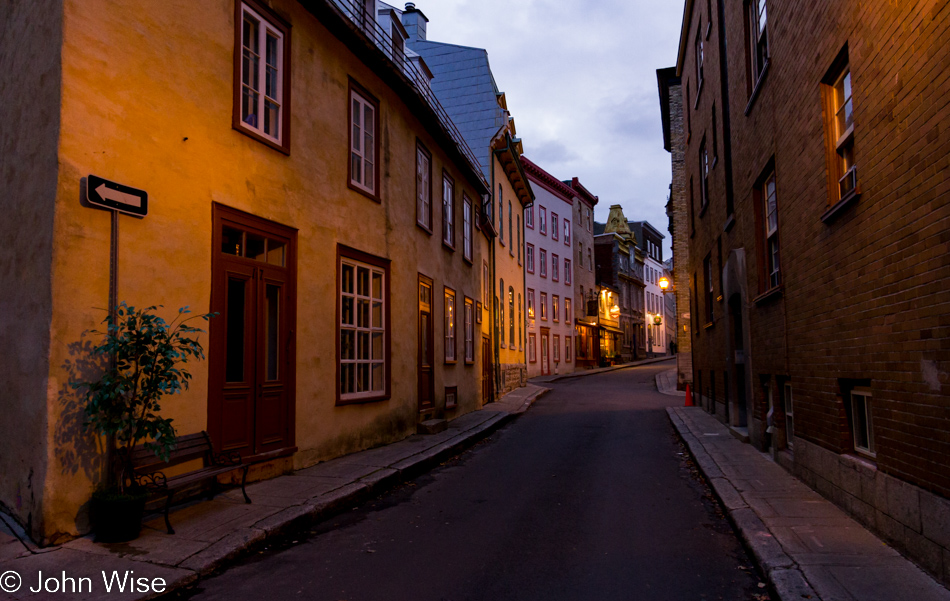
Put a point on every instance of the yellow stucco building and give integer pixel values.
(303, 182)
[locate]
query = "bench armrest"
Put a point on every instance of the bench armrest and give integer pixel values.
(152, 481)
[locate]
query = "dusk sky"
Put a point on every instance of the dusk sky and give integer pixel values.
(580, 81)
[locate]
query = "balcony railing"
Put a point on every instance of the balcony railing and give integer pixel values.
(362, 20)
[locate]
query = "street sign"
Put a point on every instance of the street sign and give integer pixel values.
(110, 195)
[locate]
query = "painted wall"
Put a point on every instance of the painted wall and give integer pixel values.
(509, 268)
(30, 34)
(563, 288)
(164, 125)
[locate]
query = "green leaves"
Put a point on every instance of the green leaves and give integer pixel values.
(149, 355)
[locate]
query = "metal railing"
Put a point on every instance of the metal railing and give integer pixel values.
(367, 24)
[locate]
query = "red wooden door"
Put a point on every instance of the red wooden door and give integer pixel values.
(251, 351)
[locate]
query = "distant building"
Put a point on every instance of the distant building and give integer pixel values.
(651, 243)
(620, 266)
(816, 170)
(549, 274)
(585, 282)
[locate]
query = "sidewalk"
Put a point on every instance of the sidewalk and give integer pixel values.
(666, 383)
(210, 533)
(804, 544)
(597, 370)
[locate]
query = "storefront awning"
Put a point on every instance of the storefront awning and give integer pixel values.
(611, 329)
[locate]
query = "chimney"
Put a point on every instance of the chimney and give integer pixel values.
(414, 22)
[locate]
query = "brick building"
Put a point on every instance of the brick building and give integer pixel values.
(817, 201)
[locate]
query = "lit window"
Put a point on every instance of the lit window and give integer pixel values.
(555, 308)
(449, 325)
(544, 306)
(567, 310)
(511, 316)
(501, 306)
(839, 130)
(264, 76)
(363, 126)
(530, 304)
(363, 330)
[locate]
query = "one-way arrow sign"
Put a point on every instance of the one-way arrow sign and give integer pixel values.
(110, 195)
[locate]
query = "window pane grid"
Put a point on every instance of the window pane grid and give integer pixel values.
(362, 330)
(363, 143)
(261, 104)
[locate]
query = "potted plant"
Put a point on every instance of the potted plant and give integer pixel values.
(145, 355)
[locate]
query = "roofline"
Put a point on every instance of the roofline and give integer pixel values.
(665, 79)
(509, 147)
(548, 181)
(647, 224)
(684, 31)
(583, 193)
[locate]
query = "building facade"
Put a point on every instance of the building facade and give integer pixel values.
(585, 281)
(677, 209)
(465, 86)
(549, 273)
(327, 340)
(817, 167)
(620, 265)
(651, 244)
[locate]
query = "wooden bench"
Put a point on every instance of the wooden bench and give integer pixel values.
(192, 447)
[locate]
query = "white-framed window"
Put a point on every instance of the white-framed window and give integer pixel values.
(555, 308)
(554, 226)
(758, 38)
(449, 313)
(567, 310)
(448, 210)
(529, 256)
(567, 272)
(844, 127)
(771, 231)
(423, 188)
(543, 262)
(530, 304)
(543, 221)
(532, 348)
(556, 348)
(567, 233)
(363, 329)
(264, 68)
(568, 349)
(469, 330)
(555, 268)
(363, 126)
(789, 415)
(544, 306)
(529, 217)
(466, 228)
(862, 426)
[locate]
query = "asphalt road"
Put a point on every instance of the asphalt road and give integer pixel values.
(589, 495)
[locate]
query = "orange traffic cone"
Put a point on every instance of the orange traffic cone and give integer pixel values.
(689, 397)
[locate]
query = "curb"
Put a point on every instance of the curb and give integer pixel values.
(668, 392)
(245, 541)
(783, 575)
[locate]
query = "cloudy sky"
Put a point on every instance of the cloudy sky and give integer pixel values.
(579, 77)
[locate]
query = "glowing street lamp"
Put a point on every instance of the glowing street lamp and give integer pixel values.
(664, 283)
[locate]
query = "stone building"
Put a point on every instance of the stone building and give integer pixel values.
(585, 281)
(465, 86)
(650, 242)
(329, 340)
(677, 209)
(817, 162)
(619, 263)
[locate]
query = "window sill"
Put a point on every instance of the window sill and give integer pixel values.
(425, 229)
(469, 362)
(758, 86)
(839, 207)
(370, 195)
(709, 325)
(451, 362)
(730, 222)
(771, 293)
(448, 246)
(361, 401)
(238, 126)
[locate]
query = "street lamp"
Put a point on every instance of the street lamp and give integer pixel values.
(664, 283)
